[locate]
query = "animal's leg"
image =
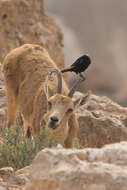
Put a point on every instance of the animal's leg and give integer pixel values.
(27, 128)
(40, 107)
(73, 131)
(28, 131)
(11, 114)
(36, 126)
(12, 109)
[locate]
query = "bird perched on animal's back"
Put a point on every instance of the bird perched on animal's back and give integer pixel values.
(79, 66)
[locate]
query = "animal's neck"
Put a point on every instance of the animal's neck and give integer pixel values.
(62, 129)
(60, 134)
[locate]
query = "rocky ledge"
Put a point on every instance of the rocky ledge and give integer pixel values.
(62, 169)
(101, 121)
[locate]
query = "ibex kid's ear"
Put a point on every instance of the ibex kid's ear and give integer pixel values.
(82, 100)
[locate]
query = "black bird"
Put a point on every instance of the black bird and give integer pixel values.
(80, 65)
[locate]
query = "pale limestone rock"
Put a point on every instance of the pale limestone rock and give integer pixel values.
(6, 171)
(86, 169)
(77, 169)
(101, 121)
(25, 21)
(3, 188)
(23, 170)
(9, 180)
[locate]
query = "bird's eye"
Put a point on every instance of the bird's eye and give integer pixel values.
(69, 110)
(49, 105)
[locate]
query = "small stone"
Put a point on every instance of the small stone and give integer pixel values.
(6, 171)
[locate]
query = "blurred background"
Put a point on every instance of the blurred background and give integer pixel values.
(98, 28)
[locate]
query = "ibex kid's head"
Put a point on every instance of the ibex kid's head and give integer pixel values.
(60, 107)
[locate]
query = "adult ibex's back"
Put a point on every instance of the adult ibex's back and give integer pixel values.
(25, 71)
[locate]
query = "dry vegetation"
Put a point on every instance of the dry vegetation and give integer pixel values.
(17, 152)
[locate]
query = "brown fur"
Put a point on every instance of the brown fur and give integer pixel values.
(25, 70)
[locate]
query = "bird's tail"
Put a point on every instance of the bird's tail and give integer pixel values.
(67, 69)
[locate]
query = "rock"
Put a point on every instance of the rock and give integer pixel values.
(23, 171)
(10, 180)
(25, 21)
(2, 188)
(101, 121)
(6, 171)
(87, 169)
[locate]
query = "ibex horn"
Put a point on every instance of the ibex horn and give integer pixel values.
(73, 89)
(59, 86)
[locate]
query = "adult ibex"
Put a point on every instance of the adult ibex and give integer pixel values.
(30, 89)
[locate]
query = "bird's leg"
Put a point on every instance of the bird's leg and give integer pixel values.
(82, 76)
(80, 79)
